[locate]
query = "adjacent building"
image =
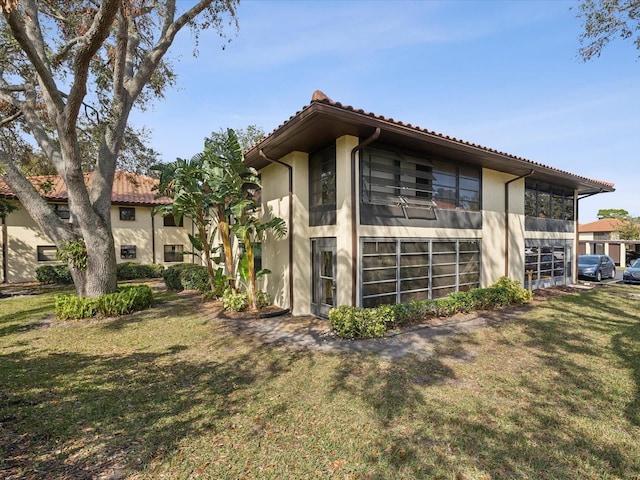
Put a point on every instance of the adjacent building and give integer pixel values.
(602, 237)
(139, 235)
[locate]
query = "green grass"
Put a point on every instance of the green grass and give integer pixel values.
(169, 393)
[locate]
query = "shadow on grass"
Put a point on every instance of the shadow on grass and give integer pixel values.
(529, 422)
(70, 415)
(392, 389)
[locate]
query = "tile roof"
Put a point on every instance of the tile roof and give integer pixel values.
(319, 98)
(602, 225)
(128, 188)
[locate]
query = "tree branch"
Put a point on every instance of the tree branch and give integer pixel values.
(91, 43)
(29, 37)
(37, 207)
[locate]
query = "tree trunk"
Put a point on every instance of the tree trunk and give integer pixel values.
(252, 273)
(99, 278)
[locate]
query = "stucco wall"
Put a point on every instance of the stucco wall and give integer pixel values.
(24, 236)
(276, 255)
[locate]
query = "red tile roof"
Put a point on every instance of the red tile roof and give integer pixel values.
(602, 225)
(128, 188)
(319, 98)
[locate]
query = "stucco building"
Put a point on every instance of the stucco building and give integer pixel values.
(139, 235)
(380, 211)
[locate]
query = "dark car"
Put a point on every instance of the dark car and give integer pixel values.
(631, 256)
(632, 273)
(596, 267)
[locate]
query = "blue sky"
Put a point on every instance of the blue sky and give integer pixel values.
(503, 74)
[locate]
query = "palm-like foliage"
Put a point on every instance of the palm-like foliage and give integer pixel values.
(206, 189)
(231, 182)
(250, 230)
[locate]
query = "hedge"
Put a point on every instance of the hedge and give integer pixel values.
(124, 271)
(127, 299)
(357, 322)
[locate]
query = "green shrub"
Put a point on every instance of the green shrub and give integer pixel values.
(54, 274)
(357, 322)
(134, 271)
(74, 307)
(189, 276)
(126, 300)
(351, 322)
(195, 277)
(263, 298)
(171, 277)
(236, 302)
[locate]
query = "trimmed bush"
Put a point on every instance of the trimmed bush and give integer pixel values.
(54, 274)
(126, 300)
(134, 271)
(350, 322)
(74, 307)
(195, 277)
(125, 271)
(236, 302)
(187, 276)
(357, 322)
(171, 277)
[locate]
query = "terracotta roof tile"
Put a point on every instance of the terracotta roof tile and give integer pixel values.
(602, 225)
(320, 98)
(128, 188)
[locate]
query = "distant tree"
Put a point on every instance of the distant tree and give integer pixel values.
(70, 75)
(605, 20)
(247, 137)
(618, 213)
(630, 229)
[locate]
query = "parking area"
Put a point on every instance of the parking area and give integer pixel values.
(617, 279)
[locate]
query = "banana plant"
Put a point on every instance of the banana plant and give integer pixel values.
(250, 230)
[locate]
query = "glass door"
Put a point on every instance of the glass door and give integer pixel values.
(323, 272)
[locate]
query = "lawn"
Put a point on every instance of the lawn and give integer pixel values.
(171, 394)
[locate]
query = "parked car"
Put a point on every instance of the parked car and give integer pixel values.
(631, 256)
(596, 267)
(632, 273)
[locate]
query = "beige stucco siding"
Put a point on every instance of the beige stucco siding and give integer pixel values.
(24, 236)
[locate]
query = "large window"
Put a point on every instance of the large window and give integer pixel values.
(322, 187)
(403, 270)
(415, 182)
(173, 253)
(546, 201)
(547, 263)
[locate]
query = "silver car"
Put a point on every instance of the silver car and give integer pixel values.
(596, 267)
(632, 273)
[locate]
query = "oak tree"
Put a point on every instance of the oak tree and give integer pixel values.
(71, 67)
(606, 20)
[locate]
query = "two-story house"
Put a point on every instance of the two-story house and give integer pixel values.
(139, 235)
(380, 211)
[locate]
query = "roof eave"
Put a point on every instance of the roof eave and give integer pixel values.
(295, 134)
